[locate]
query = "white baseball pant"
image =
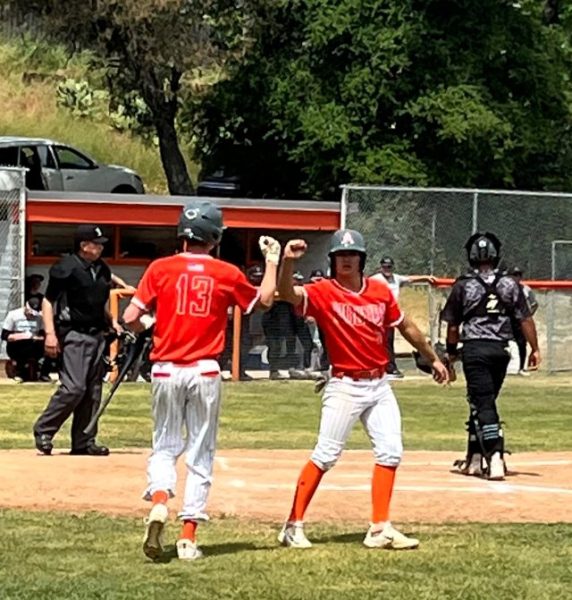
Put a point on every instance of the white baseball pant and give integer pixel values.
(343, 403)
(186, 406)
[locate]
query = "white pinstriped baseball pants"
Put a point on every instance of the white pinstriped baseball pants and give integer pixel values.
(186, 406)
(370, 400)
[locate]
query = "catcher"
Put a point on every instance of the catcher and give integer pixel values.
(483, 302)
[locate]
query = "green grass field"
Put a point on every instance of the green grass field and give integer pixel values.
(93, 556)
(60, 556)
(284, 414)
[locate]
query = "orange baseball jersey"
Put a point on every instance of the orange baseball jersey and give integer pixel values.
(354, 324)
(190, 295)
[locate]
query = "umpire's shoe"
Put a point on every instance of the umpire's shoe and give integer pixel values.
(154, 529)
(388, 537)
(91, 450)
(44, 444)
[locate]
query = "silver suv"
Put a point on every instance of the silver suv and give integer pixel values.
(55, 166)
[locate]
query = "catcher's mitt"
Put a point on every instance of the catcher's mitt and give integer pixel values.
(424, 364)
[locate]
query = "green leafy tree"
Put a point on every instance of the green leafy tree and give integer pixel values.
(152, 48)
(420, 92)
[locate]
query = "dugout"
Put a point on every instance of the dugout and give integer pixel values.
(143, 227)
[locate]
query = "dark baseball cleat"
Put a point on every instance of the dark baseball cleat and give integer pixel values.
(44, 444)
(91, 450)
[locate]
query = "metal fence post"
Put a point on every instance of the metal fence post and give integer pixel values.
(475, 226)
(344, 207)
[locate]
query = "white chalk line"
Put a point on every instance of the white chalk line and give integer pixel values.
(490, 487)
(406, 463)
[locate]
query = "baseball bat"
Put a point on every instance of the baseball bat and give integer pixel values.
(134, 351)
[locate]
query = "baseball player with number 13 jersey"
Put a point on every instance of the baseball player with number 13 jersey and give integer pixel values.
(190, 294)
(355, 314)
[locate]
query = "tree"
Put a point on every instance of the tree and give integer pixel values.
(420, 92)
(152, 48)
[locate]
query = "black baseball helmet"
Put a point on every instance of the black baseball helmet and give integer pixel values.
(483, 248)
(201, 221)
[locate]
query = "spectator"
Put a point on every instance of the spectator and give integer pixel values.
(277, 326)
(23, 332)
(395, 281)
(301, 331)
(32, 287)
(519, 338)
(254, 275)
(315, 276)
(76, 317)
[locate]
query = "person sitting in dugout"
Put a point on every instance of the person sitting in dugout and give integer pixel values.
(23, 332)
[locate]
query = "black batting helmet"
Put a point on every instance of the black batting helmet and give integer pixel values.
(483, 248)
(201, 221)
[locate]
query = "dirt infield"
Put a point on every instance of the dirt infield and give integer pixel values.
(259, 484)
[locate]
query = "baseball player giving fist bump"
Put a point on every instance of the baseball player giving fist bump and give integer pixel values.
(355, 315)
(190, 294)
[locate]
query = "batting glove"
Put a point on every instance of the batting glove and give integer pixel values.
(270, 248)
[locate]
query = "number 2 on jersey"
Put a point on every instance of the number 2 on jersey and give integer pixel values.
(194, 295)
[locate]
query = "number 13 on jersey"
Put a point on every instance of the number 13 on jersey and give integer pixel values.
(194, 294)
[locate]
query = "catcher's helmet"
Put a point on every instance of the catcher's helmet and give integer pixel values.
(483, 248)
(201, 221)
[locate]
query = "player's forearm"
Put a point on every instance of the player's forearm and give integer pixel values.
(48, 316)
(529, 330)
(285, 282)
(415, 337)
(268, 285)
(132, 318)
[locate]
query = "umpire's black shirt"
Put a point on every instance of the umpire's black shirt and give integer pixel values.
(468, 293)
(79, 291)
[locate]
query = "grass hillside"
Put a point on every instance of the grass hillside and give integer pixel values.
(30, 75)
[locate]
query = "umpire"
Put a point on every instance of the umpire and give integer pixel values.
(76, 319)
(483, 302)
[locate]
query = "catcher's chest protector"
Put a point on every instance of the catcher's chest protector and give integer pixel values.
(490, 305)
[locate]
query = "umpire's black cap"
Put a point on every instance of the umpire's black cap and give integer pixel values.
(90, 233)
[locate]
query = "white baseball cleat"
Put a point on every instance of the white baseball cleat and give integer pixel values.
(388, 537)
(496, 467)
(188, 550)
(154, 529)
(292, 535)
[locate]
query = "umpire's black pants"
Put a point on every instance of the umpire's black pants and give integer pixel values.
(81, 375)
(484, 364)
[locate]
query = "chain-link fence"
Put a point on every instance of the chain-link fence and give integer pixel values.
(12, 236)
(424, 230)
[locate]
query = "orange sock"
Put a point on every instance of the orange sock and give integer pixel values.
(159, 497)
(188, 532)
(381, 490)
(307, 484)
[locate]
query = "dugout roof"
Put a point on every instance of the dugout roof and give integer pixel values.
(144, 209)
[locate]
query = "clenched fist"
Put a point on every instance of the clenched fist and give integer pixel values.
(295, 249)
(270, 249)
